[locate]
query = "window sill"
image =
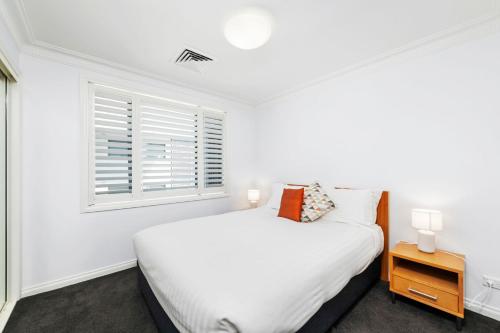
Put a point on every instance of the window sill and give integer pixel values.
(105, 206)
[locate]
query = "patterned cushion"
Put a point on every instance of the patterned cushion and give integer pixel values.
(316, 203)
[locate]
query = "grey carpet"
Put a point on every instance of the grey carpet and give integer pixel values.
(114, 304)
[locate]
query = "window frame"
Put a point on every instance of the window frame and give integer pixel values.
(138, 198)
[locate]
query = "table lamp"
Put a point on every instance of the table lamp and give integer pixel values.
(426, 221)
(253, 197)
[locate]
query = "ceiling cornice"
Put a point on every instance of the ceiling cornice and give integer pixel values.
(23, 16)
(27, 42)
(14, 16)
(37, 46)
(461, 31)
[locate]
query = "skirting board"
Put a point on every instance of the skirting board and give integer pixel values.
(486, 310)
(77, 278)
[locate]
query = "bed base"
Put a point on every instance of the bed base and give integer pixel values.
(322, 321)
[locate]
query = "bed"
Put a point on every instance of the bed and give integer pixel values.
(250, 271)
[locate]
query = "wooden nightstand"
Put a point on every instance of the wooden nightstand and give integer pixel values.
(435, 279)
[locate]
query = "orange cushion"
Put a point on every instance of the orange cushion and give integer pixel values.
(291, 204)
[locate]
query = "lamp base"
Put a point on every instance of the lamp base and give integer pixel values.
(426, 241)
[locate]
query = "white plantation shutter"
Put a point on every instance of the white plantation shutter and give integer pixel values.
(112, 143)
(144, 148)
(169, 136)
(213, 137)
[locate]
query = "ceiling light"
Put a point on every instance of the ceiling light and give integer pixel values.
(249, 28)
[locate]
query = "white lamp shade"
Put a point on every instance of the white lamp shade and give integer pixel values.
(426, 219)
(249, 29)
(253, 195)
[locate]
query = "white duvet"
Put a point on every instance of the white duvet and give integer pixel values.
(250, 271)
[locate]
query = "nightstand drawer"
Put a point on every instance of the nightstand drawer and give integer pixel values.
(425, 293)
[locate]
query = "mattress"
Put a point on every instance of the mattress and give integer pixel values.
(251, 271)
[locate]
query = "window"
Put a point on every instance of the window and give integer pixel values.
(144, 150)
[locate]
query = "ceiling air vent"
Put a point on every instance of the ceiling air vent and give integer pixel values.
(193, 60)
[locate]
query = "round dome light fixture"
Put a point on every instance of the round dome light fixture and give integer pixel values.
(249, 28)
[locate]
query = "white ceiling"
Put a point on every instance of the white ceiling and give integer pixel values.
(311, 38)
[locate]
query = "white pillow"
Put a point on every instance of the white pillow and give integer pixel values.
(353, 206)
(275, 198)
(276, 193)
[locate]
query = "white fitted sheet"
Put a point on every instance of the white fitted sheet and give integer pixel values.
(250, 271)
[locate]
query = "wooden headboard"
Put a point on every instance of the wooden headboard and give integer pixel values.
(383, 222)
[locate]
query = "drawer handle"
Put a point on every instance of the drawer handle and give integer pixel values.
(434, 298)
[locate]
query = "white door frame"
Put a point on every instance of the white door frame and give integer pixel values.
(13, 188)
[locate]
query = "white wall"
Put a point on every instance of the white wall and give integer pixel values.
(424, 126)
(59, 241)
(8, 45)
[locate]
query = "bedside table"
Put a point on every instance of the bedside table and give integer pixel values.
(435, 279)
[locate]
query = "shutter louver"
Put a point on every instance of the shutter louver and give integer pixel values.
(113, 142)
(213, 124)
(169, 135)
(146, 150)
